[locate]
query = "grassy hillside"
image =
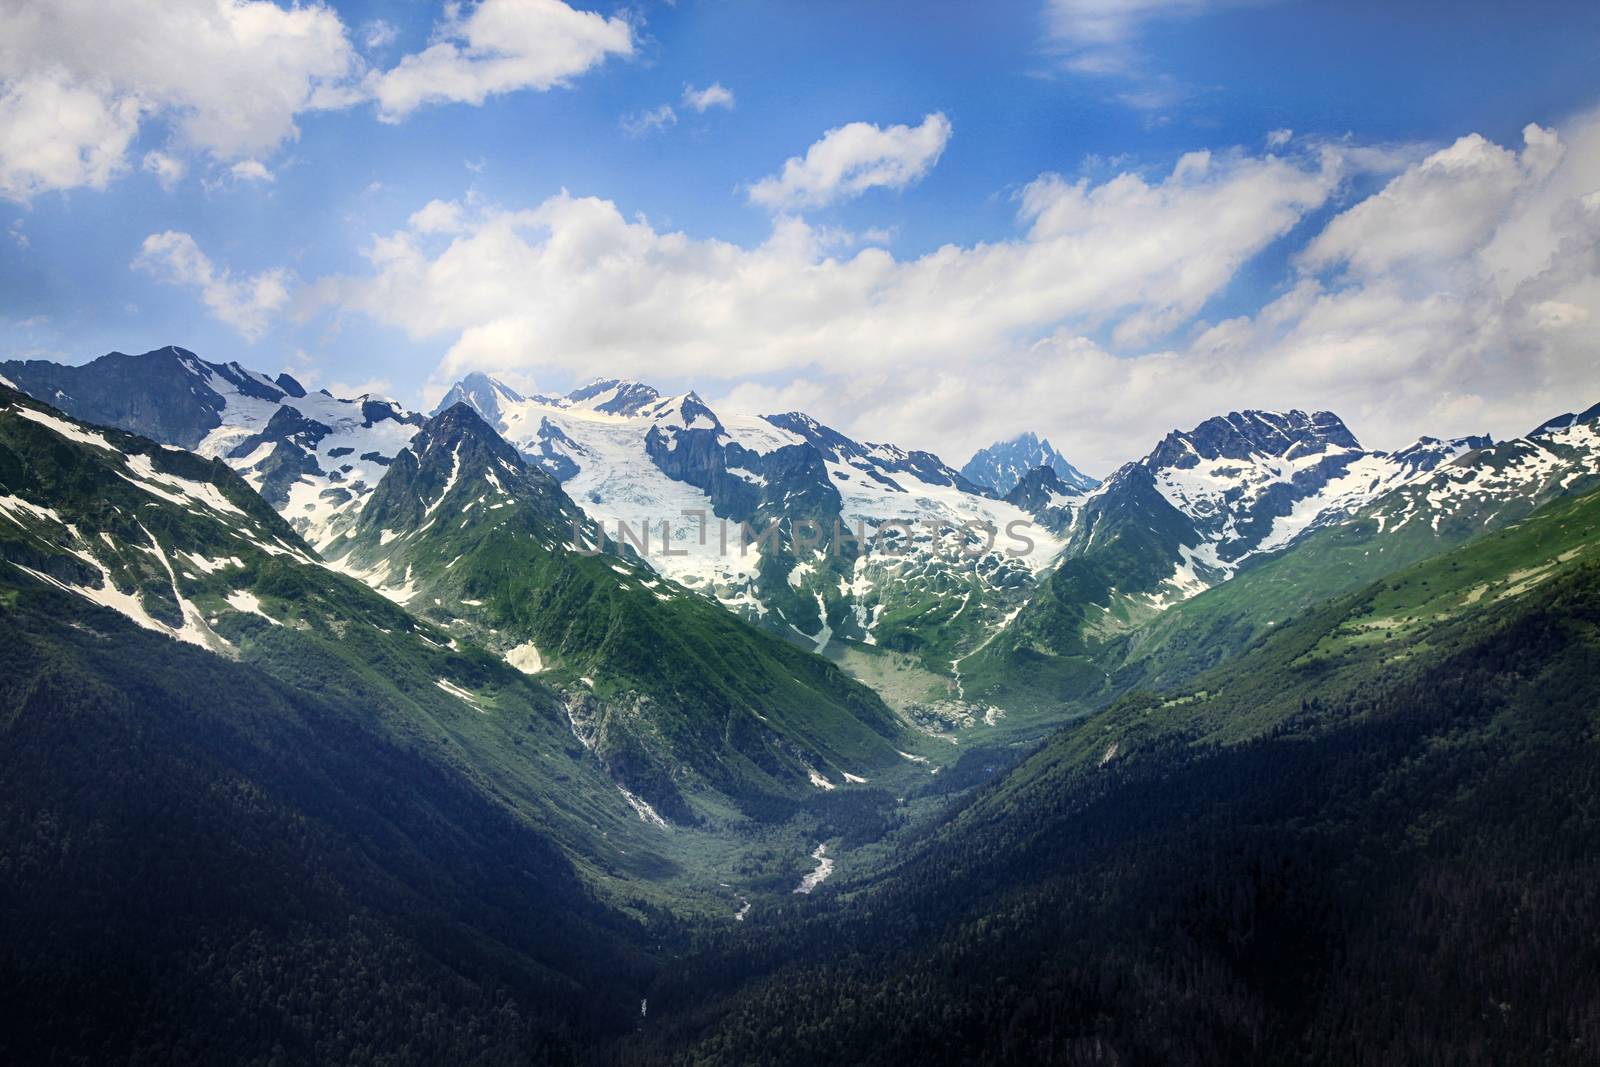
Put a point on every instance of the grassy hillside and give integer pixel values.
(199, 862)
(679, 698)
(186, 548)
(1084, 640)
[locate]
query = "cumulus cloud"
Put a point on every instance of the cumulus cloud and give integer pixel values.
(436, 216)
(56, 134)
(248, 304)
(851, 159)
(77, 78)
(575, 283)
(1422, 332)
(703, 100)
(1438, 211)
(1086, 325)
(250, 170)
(500, 46)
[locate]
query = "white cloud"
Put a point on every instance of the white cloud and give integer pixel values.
(58, 135)
(1426, 330)
(1438, 211)
(1280, 137)
(851, 159)
(437, 216)
(500, 46)
(1404, 333)
(574, 283)
(169, 170)
(657, 118)
(77, 77)
(703, 100)
(250, 170)
(246, 303)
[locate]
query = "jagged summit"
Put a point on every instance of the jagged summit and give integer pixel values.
(468, 533)
(1003, 465)
(1566, 421)
(626, 452)
(484, 394)
(460, 425)
(169, 394)
(455, 456)
(314, 457)
(1045, 495)
(614, 396)
(1241, 435)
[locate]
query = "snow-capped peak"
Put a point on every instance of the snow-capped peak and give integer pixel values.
(613, 396)
(483, 394)
(1238, 486)
(1292, 435)
(1003, 465)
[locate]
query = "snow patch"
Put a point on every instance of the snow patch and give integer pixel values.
(458, 692)
(245, 601)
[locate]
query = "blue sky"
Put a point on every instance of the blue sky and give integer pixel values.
(282, 206)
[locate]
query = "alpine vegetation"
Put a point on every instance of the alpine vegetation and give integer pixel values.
(541, 534)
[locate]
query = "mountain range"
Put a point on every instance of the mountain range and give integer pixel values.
(477, 704)
(890, 571)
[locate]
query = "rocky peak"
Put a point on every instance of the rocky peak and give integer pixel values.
(166, 394)
(614, 396)
(483, 394)
(1004, 464)
(290, 387)
(460, 430)
(1045, 495)
(456, 456)
(1563, 422)
(1039, 484)
(1243, 435)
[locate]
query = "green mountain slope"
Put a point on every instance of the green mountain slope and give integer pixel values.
(1370, 838)
(1081, 642)
(183, 548)
(253, 812)
(678, 698)
(1480, 492)
(1056, 651)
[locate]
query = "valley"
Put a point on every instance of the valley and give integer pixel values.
(700, 770)
(540, 533)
